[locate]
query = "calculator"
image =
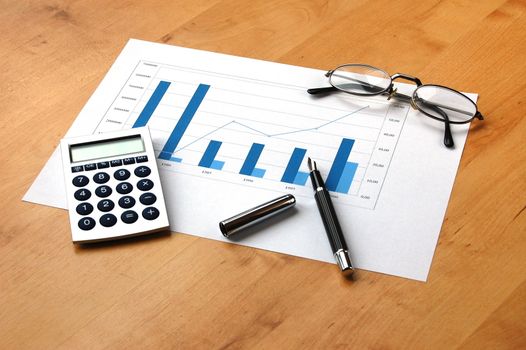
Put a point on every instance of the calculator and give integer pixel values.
(113, 186)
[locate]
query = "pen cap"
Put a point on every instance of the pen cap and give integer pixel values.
(255, 215)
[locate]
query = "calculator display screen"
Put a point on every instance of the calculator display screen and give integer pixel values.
(106, 148)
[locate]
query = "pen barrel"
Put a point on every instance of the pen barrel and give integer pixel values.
(330, 221)
(255, 215)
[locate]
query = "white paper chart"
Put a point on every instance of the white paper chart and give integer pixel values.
(231, 132)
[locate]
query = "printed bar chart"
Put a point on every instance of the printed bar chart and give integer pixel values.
(338, 172)
(216, 121)
(292, 174)
(208, 159)
(249, 166)
(339, 179)
(183, 123)
(152, 104)
(341, 173)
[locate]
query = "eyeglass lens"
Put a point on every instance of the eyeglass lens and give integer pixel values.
(435, 100)
(360, 79)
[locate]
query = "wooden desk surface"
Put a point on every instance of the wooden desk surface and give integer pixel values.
(155, 292)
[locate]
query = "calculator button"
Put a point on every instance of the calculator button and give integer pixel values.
(91, 166)
(129, 216)
(141, 159)
(82, 194)
(142, 171)
(86, 223)
(121, 174)
(147, 198)
(76, 169)
(124, 187)
(127, 202)
(80, 181)
(84, 208)
(116, 162)
(127, 161)
(105, 205)
(103, 191)
(103, 165)
(101, 178)
(108, 220)
(150, 213)
(145, 185)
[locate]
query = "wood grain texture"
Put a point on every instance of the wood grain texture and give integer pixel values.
(154, 293)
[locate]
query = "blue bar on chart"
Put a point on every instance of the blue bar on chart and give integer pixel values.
(208, 159)
(337, 171)
(152, 104)
(183, 123)
(301, 178)
(257, 172)
(346, 180)
(292, 174)
(249, 166)
(217, 165)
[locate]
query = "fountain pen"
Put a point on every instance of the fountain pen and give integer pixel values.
(330, 221)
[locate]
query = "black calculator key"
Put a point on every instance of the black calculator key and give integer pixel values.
(77, 168)
(147, 198)
(127, 202)
(84, 208)
(108, 220)
(127, 161)
(116, 162)
(86, 223)
(91, 166)
(80, 181)
(103, 191)
(82, 194)
(105, 205)
(124, 187)
(101, 178)
(145, 185)
(121, 174)
(103, 165)
(142, 171)
(141, 159)
(129, 216)
(150, 213)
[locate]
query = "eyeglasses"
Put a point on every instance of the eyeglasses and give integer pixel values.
(435, 101)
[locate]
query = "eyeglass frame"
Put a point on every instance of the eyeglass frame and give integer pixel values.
(391, 91)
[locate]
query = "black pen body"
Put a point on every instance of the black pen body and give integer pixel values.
(327, 213)
(331, 223)
(330, 220)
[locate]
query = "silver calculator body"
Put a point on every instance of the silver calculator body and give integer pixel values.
(113, 186)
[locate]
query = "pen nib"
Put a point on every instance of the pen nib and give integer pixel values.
(311, 164)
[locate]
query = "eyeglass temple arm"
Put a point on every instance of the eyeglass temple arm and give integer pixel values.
(448, 137)
(322, 90)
